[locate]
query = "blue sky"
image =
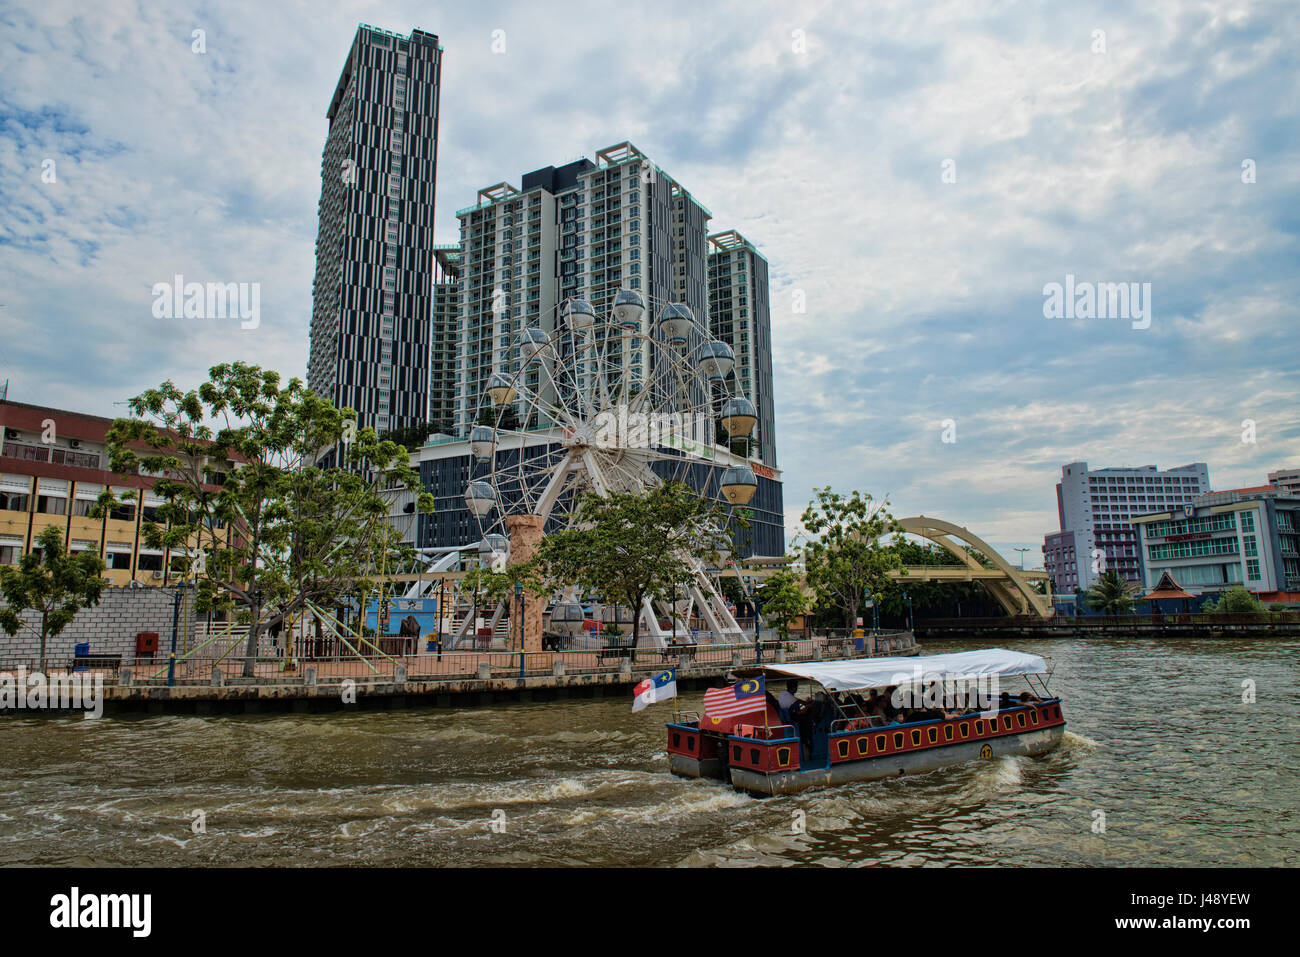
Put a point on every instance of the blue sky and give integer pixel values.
(819, 130)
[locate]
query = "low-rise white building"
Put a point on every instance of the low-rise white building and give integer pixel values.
(1247, 536)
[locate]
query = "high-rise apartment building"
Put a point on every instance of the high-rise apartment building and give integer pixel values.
(444, 337)
(579, 231)
(373, 295)
(585, 230)
(1095, 507)
(740, 315)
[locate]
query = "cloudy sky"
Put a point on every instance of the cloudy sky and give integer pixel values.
(915, 173)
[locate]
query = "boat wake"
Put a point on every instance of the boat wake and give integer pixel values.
(1077, 742)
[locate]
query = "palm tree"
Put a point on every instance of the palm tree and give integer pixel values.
(1111, 595)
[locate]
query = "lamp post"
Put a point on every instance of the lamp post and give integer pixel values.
(673, 613)
(176, 617)
(519, 596)
(758, 637)
(1022, 557)
(442, 598)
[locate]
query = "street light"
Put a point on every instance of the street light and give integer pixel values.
(176, 616)
(519, 594)
(1022, 557)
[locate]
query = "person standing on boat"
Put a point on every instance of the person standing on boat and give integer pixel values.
(787, 699)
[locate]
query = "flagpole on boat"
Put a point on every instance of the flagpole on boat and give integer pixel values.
(761, 678)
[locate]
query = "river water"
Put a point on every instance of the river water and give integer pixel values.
(1159, 741)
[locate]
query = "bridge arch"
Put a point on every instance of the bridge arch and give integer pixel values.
(1008, 584)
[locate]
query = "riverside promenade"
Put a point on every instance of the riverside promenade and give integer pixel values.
(452, 679)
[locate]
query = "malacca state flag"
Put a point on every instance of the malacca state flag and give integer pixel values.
(659, 688)
(722, 706)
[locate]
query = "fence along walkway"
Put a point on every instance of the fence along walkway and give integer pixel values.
(382, 668)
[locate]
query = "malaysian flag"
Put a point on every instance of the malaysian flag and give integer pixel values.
(722, 706)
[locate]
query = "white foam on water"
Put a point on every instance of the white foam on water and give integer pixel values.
(1073, 742)
(164, 839)
(1007, 771)
(587, 737)
(258, 835)
(722, 799)
(464, 734)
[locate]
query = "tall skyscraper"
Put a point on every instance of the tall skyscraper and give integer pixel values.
(579, 231)
(444, 338)
(740, 315)
(1095, 507)
(373, 295)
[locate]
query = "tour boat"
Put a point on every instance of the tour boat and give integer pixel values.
(768, 758)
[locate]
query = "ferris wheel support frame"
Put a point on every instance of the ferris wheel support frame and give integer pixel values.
(596, 374)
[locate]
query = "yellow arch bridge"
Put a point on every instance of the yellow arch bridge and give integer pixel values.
(1012, 587)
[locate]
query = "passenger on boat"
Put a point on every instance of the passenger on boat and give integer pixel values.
(891, 710)
(1027, 698)
(801, 717)
(787, 700)
(877, 706)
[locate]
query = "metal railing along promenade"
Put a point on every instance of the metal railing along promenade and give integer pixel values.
(457, 666)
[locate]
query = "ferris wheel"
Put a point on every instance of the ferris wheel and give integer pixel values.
(610, 405)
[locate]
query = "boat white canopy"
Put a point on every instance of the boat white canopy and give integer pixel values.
(861, 674)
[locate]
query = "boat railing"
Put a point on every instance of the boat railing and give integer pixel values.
(687, 717)
(857, 724)
(841, 725)
(769, 732)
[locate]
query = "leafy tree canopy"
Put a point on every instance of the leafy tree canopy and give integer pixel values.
(52, 583)
(628, 547)
(266, 527)
(845, 557)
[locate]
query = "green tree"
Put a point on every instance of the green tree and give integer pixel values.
(1111, 595)
(845, 557)
(783, 600)
(241, 452)
(1235, 601)
(52, 583)
(928, 596)
(413, 437)
(628, 547)
(105, 502)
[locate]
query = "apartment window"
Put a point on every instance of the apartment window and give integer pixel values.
(51, 505)
(120, 561)
(149, 563)
(9, 554)
(13, 501)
